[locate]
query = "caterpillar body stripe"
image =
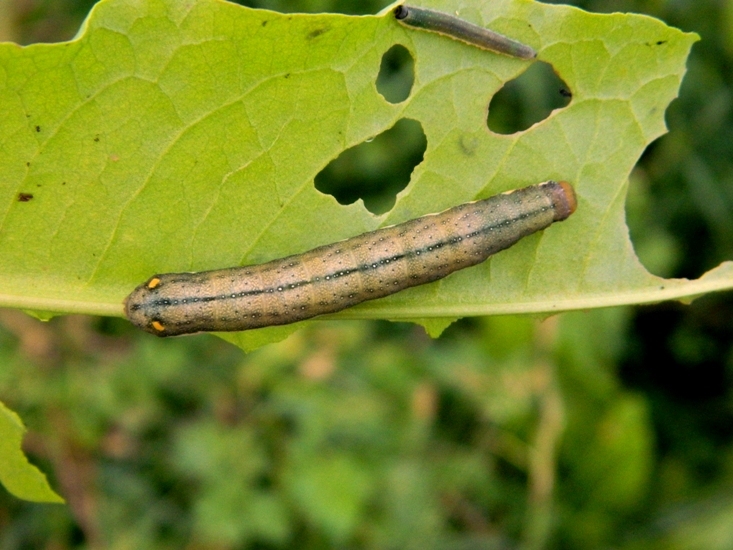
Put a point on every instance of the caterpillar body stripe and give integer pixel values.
(460, 29)
(340, 275)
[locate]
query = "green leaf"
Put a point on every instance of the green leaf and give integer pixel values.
(17, 475)
(180, 136)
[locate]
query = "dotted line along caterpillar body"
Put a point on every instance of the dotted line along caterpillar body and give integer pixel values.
(340, 275)
(460, 29)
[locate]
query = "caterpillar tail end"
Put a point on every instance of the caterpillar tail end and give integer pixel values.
(522, 51)
(564, 199)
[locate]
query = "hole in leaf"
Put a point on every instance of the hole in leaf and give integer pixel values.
(528, 99)
(396, 74)
(376, 170)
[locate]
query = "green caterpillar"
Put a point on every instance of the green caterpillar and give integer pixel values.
(460, 29)
(340, 275)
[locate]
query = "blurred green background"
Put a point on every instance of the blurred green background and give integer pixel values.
(601, 429)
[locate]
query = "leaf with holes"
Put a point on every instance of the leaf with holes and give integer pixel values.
(180, 136)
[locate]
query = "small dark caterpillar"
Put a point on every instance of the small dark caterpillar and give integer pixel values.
(460, 29)
(339, 275)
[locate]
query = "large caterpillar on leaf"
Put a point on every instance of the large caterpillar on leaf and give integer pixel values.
(340, 275)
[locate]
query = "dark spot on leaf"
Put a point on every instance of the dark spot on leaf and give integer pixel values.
(38, 128)
(566, 93)
(468, 144)
(316, 33)
(24, 197)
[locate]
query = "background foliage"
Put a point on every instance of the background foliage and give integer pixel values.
(606, 428)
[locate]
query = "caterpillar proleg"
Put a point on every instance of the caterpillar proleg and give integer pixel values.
(460, 29)
(340, 275)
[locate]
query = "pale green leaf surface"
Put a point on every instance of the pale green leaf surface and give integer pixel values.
(180, 136)
(17, 475)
